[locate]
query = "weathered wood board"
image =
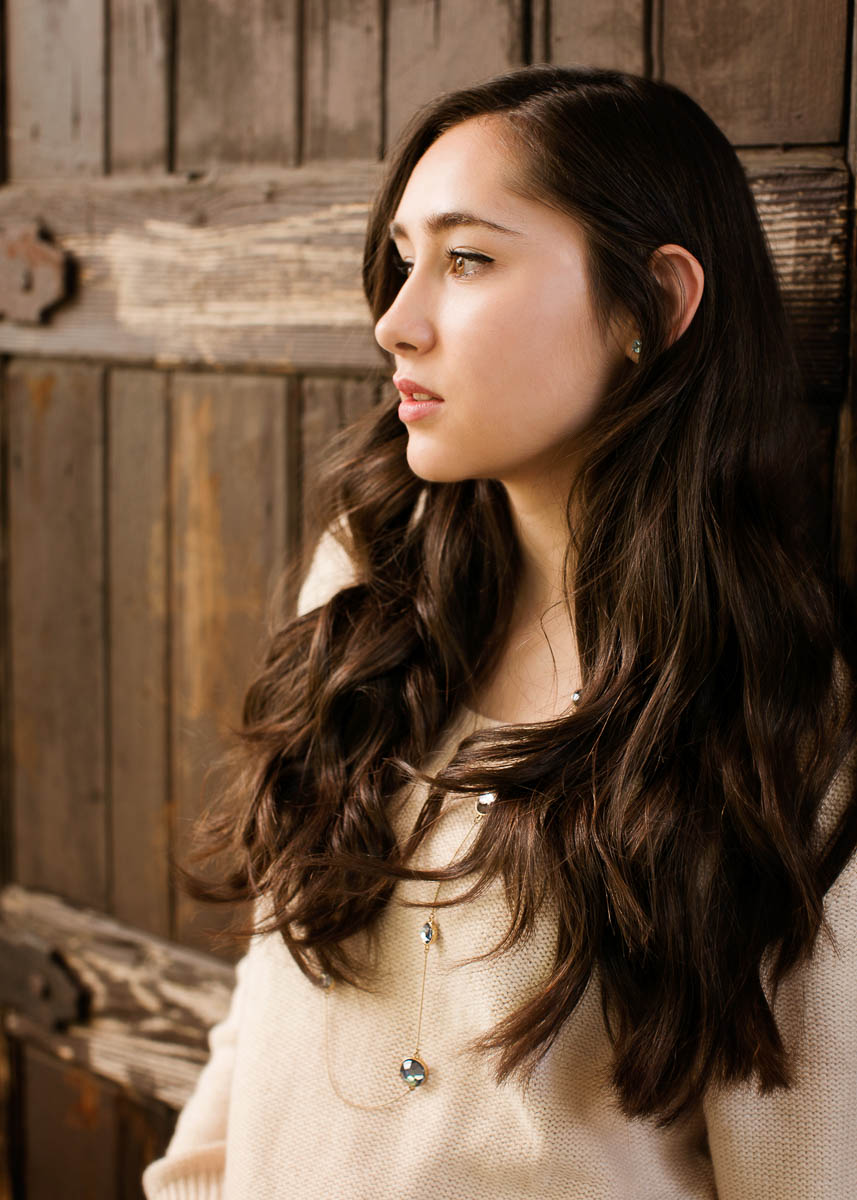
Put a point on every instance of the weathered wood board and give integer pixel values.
(342, 55)
(238, 91)
(264, 270)
(151, 1002)
(138, 624)
(55, 90)
(140, 56)
(448, 44)
(608, 34)
(57, 628)
(228, 547)
(767, 72)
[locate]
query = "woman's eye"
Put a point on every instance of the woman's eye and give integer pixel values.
(466, 262)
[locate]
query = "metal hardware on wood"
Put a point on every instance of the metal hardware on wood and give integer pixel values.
(37, 982)
(33, 274)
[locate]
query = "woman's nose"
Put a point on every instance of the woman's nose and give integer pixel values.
(405, 326)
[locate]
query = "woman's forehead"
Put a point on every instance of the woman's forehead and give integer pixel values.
(465, 170)
(468, 173)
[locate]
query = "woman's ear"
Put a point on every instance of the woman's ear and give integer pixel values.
(682, 276)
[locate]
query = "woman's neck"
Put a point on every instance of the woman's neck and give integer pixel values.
(537, 670)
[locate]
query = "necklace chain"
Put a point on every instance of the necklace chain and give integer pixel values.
(417, 1073)
(413, 1070)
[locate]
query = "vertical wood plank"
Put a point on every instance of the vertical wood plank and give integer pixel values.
(228, 549)
(292, 491)
(70, 1131)
(845, 462)
(328, 405)
(765, 72)
(143, 1131)
(55, 87)
(611, 33)
(342, 80)
(139, 83)
(8, 1113)
(7, 833)
(56, 621)
(237, 83)
(443, 45)
(137, 500)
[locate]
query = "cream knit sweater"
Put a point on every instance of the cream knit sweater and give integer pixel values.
(265, 1124)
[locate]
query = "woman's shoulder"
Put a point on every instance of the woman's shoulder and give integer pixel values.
(331, 569)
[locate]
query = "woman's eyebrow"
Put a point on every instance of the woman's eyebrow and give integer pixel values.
(436, 223)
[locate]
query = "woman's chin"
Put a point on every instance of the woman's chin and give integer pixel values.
(434, 467)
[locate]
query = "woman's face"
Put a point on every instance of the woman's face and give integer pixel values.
(496, 321)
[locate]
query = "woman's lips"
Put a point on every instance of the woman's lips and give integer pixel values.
(414, 409)
(417, 401)
(411, 389)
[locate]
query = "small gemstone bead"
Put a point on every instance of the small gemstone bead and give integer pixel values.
(575, 696)
(484, 802)
(413, 1072)
(427, 932)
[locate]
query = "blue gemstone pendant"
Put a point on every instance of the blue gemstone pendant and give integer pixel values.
(413, 1072)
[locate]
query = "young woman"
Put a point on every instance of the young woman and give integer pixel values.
(546, 806)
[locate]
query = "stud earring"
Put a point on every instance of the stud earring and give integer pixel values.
(637, 346)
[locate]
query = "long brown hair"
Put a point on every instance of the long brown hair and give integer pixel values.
(675, 810)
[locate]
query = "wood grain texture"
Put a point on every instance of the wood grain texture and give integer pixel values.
(261, 267)
(139, 84)
(237, 82)
(766, 72)
(70, 1130)
(137, 523)
(804, 211)
(55, 88)
(264, 269)
(845, 456)
(6, 827)
(228, 549)
(443, 45)
(151, 1002)
(56, 623)
(8, 1105)
(608, 34)
(328, 405)
(342, 80)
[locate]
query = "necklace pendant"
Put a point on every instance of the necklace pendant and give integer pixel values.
(413, 1072)
(484, 802)
(428, 931)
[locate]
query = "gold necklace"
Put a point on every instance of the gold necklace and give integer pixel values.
(413, 1070)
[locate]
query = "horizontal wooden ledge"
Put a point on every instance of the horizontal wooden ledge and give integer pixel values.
(150, 1002)
(261, 267)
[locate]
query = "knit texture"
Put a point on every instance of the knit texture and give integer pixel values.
(264, 1122)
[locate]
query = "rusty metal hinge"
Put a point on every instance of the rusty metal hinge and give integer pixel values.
(34, 273)
(37, 982)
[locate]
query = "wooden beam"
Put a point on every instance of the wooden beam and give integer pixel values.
(258, 268)
(151, 1002)
(262, 268)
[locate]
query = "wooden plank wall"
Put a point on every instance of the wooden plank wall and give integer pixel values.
(151, 488)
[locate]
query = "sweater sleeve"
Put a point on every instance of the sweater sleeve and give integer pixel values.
(801, 1143)
(193, 1166)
